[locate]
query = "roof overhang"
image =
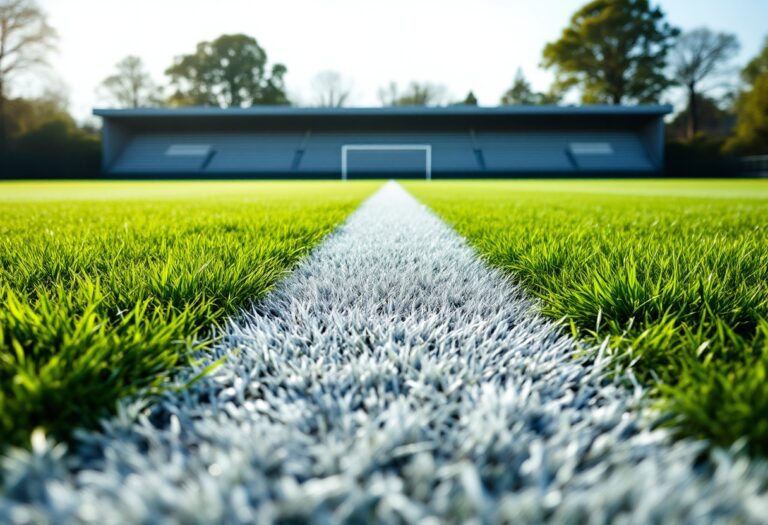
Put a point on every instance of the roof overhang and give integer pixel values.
(405, 111)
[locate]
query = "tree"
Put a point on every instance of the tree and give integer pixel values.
(43, 124)
(470, 99)
(752, 109)
(26, 115)
(712, 119)
(330, 89)
(416, 94)
(615, 51)
(230, 71)
(756, 67)
(550, 97)
(752, 120)
(25, 40)
(698, 55)
(389, 94)
(521, 93)
(132, 86)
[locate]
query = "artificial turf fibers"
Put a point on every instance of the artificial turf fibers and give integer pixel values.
(672, 273)
(106, 287)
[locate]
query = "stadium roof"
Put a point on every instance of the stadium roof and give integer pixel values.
(458, 110)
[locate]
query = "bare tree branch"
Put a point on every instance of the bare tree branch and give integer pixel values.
(416, 94)
(131, 86)
(700, 54)
(25, 37)
(331, 90)
(25, 41)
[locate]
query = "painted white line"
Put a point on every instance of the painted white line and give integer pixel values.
(391, 378)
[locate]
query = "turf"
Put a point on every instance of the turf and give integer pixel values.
(391, 378)
(107, 286)
(674, 273)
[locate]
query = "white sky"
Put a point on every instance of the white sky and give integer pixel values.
(461, 44)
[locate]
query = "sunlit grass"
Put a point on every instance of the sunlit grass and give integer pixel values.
(674, 272)
(107, 286)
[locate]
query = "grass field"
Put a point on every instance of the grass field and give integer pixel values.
(673, 272)
(107, 286)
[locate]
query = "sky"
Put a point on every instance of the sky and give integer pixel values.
(461, 44)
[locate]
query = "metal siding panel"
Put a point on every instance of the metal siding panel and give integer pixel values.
(628, 154)
(452, 152)
(146, 153)
(233, 153)
(549, 151)
(255, 153)
(524, 152)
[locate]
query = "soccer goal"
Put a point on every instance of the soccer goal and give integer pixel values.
(426, 148)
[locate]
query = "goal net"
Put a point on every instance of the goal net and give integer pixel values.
(346, 149)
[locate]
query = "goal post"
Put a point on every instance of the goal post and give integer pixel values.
(346, 148)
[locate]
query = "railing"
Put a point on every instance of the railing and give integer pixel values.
(755, 166)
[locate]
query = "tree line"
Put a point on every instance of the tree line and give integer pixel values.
(611, 52)
(38, 136)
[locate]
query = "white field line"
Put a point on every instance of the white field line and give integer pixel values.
(391, 378)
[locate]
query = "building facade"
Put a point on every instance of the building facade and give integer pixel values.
(417, 142)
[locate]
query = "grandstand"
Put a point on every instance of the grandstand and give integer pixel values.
(403, 142)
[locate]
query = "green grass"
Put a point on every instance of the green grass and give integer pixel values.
(107, 286)
(675, 273)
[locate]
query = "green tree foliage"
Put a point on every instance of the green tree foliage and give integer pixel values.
(230, 71)
(615, 51)
(712, 120)
(70, 152)
(521, 93)
(470, 99)
(698, 55)
(131, 86)
(44, 125)
(751, 135)
(757, 67)
(24, 116)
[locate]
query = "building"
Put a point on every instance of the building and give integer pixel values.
(445, 142)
